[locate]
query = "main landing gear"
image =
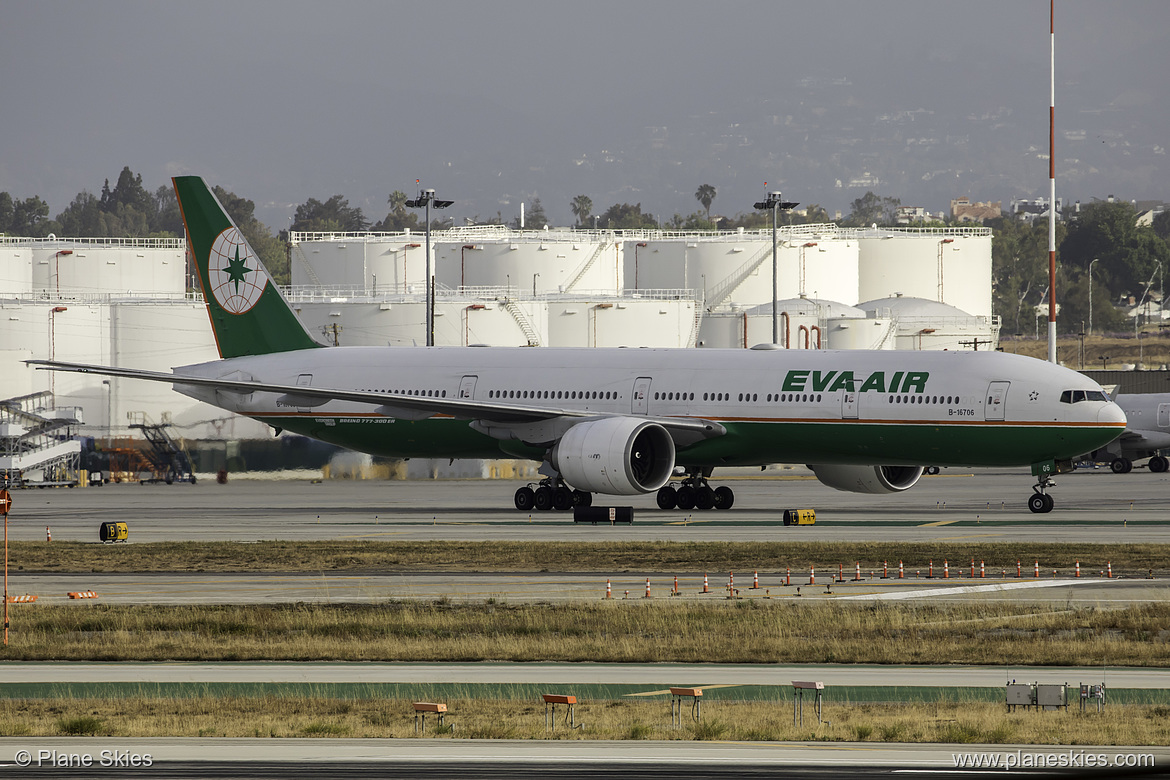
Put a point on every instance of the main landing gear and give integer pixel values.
(1040, 502)
(694, 493)
(551, 493)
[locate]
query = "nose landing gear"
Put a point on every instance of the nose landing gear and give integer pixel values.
(1040, 502)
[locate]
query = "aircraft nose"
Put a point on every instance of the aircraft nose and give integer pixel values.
(1111, 413)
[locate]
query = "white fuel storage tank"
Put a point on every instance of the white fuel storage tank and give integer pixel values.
(949, 265)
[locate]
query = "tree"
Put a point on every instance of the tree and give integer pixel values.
(534, 217)
(705, 195)
(582, 207)
(1019, 263)
(871, 209)
(1161, 225)
(398, 219)
(332, 216)
(1130, 254)
(28, 217)
(623, 216)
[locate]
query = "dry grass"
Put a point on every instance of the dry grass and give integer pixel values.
(668, 557)
(495, 719)
(754, 631)
(1154, 351)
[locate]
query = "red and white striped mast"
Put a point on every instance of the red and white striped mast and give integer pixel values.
(1052, 185)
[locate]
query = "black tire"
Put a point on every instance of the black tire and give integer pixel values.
(562, 499)
(1037, 503)
(1048, 503)
(1121, 466)
(684, 497)
(582, 498)
(1159, 464)
(724, 498)
(704, 498)
(544, 498)
(931, 470)
(525, 499)
(666, 497)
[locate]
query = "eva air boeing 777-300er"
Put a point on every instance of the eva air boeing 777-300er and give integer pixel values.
(624, 421)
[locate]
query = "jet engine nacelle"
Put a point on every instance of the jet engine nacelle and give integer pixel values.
(869, 479)
(616, 455)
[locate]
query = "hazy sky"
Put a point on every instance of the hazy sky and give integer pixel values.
(283, 101)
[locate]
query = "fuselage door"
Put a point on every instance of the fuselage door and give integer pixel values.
(304, 380)
(849, 405)
(641, 395)
(1164, 415)
(467, 388)
(996, 400)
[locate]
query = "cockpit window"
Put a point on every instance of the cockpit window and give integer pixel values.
(1076, 396)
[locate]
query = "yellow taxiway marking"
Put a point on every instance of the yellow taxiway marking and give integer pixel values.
(937, 523)
(663, 693)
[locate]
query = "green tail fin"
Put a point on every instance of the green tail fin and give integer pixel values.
(248, 314)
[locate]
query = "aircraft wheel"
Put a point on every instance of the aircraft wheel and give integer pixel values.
(685, 497)
(666, 497)
(582, 498)
(562, 499)
(1121, 466)
(544, 498)
(525, 498)
(1040, 503)
(724, 498)
(704, 498)
(1159, 464)
(931, 470)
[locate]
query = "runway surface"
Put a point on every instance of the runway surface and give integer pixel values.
(652, 676)
(1091, 506)
(446, 757)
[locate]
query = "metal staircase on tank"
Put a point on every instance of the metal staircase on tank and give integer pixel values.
(601, 245)
(168, 457)
(313, 278)
(526, 328)
(723, 290)
(37, 437)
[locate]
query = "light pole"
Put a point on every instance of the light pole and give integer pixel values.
(426, 199)
(1102, 358)
(1091, 295)
(53, 312)
(1141, 350)
(774, 202)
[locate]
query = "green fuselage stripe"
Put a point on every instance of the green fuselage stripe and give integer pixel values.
(746, 443)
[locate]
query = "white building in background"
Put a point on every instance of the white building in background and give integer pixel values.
(126, 301)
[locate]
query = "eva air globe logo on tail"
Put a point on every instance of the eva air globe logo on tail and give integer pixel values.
(237, 280)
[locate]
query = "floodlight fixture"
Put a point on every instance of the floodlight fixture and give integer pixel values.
(774, 203)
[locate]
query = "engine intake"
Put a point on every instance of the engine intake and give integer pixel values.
(869, 479)
(615, 455)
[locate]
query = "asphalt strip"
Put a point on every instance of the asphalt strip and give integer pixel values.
(995, 588)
